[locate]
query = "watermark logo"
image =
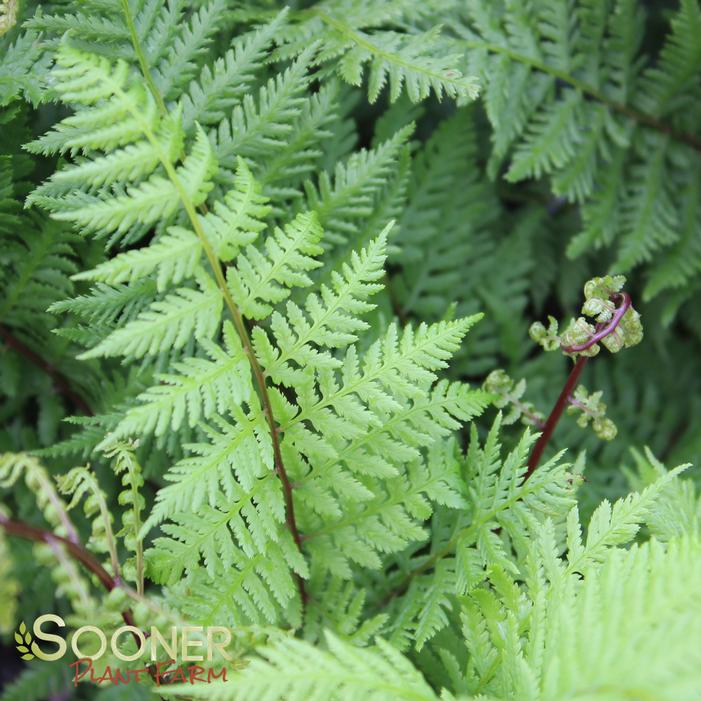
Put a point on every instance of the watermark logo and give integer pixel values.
(23, 638)
(175, 645)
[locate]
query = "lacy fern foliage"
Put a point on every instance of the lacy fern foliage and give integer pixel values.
(260, 264)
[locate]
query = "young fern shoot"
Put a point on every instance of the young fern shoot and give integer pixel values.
(612, 322)
(617, 326)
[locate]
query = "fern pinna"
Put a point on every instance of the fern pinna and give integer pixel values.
(263, 262)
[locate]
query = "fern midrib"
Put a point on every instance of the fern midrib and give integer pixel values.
(645, 119)
(221, 282)
(141, 58)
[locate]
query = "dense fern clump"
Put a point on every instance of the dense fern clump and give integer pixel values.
(269, 272)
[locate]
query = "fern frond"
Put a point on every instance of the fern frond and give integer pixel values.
(38, 682)
(153, 200)
(94, 26)
(450, 224)
(342, 612)
(174, 257)
(41, 265)
(568, 100)
(342, 204)
(498, 517)
(22, 69)
(684, 258)
(293, 161)
(118, 112)
(668, 85)
(198, 389)
(295, 670)
(262, 279)
(132, 481)
(404, 61)
(447, 205)
(258, 587)
(236, 462)
(417, 62)
(612, 525)
(366, 526)
(331, 318)
(81, 482)
(183, 54)
(14, 466)
(238, 217)
(551, 141)
(257, 130)
(126, 165)
(222, 85)
(167, 323)
(9, 586)
(106, 304)
(649, 218)
(272, 348)
(639, 605)
(212, 475)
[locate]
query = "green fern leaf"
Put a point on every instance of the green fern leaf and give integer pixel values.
(167, 323)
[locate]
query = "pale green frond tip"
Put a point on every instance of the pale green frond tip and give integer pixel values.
(384, 234)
